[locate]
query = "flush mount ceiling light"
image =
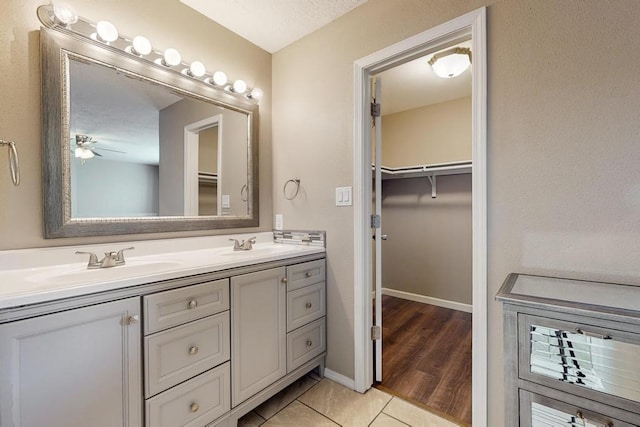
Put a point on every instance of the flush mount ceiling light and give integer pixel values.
(451, 62)
(61, 17)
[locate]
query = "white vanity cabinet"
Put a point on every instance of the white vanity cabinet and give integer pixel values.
(73, 368)
(278, 325)
(258, 331)
(197, 350)
(571, 352)
(187, 351)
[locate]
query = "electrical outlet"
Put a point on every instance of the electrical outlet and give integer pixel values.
(279, 222)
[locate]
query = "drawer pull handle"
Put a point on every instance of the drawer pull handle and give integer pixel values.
(308, 274)
(193, 350)
(285, 280)
(193, 304)
(133, 319)
(592, 334)
(194, 407)
(309, 343)
(581, 416)
(308, 305)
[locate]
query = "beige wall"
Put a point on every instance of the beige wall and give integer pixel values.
(167, 23)
(563, 114)
(429, 247)
(437, 133)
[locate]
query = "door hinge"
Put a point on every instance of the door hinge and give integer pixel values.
(375, 221)
(375, 333)
(375, 109)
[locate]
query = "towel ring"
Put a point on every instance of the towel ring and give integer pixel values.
(295, 181)
(14, 164)
(243, 194)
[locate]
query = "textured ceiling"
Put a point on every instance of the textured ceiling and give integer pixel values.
(273, 24)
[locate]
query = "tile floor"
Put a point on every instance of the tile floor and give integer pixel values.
(312, 401)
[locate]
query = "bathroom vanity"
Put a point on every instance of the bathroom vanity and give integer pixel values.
(571, 352)
(188, 338)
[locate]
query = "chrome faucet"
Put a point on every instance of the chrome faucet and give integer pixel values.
(111, 259)
(246, 245)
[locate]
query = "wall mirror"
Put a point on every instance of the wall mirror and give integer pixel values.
(131, 147)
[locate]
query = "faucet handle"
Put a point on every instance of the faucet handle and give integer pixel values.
(93, 258)
(236, 244)
(252, 240)
(120, 255)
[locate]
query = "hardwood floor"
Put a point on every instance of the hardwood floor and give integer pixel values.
(426, 356)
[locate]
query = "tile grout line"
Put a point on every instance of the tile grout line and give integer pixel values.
(318, 412)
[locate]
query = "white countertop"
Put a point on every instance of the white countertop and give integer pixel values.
(30, 276)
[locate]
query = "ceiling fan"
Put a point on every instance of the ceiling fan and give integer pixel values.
(84, 149)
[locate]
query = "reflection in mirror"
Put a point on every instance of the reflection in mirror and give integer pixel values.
(126, 159)
(137, 153)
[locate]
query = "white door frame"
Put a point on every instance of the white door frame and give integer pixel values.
(474, 24)
(190, 148)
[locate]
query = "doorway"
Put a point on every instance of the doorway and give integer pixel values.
(425, 198)
(471, 25)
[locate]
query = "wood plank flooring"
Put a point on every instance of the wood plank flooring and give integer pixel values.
(426, 356)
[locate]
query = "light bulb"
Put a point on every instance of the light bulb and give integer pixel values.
(171, 57)
(197, 69)
(219, 78)
(78, 152)
(107, 32)
(64, 14)
(239, 86)
(140, 46)
(86, 154)
(256, 94)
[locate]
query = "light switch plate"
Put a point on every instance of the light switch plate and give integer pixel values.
(226, 203)
(343, 196)
(279, 222)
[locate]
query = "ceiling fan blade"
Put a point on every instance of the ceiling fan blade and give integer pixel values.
(109, 149)
(97, 154)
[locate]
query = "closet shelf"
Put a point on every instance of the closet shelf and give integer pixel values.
(436, 169)
(207, 177)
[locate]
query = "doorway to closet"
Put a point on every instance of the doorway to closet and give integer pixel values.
(469, 26)
(425, 239)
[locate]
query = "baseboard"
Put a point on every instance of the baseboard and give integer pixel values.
(428, 300)
(339, 378)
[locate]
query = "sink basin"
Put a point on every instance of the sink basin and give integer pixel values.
(79, 274)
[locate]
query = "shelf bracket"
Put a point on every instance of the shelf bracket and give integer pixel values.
(432, 180)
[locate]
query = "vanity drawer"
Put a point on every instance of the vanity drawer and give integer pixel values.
(175, 355)
(306, 343)
(537, 410)
(305, 305)
(195, 403)
(582, 358)
(305, 274)
(171, 308)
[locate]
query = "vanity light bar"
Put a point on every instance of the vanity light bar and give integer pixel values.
(61, 17)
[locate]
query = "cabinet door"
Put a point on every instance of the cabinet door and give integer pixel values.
(258, 331)
(75, 368)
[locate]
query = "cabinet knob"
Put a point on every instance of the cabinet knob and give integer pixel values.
(194, 407)
(133, 319)
(308, 305)
(309, 343)
(193, 304)
(193, 350)
(285, 280)
(308, 274)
